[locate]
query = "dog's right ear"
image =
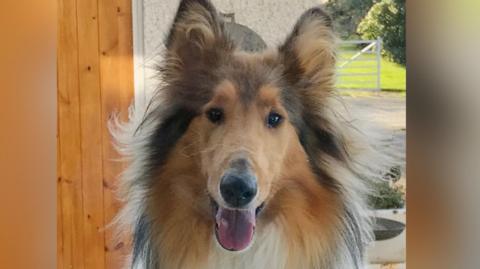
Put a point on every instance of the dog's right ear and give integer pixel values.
(197, 34)
(309, 51)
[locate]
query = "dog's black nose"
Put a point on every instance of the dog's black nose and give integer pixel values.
(238, 189)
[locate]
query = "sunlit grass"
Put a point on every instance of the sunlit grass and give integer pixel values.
(393, 76)
(368, 93)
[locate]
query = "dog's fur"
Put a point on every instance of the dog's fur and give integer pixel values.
(312, 171)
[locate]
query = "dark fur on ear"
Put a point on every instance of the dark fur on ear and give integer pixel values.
(308, 57)
(197, 35)
(187, 6)
(309, 51)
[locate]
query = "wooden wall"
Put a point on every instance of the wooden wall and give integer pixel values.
(95, 77)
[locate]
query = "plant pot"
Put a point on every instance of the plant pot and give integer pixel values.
(390, 232)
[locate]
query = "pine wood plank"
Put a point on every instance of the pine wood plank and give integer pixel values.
(91, 132)
(69, 135)
(59, 206)
(116, 60)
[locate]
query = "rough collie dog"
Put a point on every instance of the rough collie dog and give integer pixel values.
(242, 160)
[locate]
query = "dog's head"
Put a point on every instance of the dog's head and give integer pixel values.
(249, 118)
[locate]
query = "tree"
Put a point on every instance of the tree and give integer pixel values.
(347, 14)
(386, 19)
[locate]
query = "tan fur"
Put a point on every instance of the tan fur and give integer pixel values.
(296, 204)
(315, 47)
(306, 213)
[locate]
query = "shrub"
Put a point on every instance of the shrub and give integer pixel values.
(386, 19)
(386, 196)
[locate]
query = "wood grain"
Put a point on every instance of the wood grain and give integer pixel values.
(95, 78)
(69, 137)
(59, 207)
(91, 132)
(116, 61)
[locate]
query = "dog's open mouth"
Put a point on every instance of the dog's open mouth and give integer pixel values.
(234, 228)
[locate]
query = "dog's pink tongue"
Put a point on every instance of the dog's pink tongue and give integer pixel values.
(235, 228)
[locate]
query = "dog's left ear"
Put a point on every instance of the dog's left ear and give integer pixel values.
(197, 34)
(309, 51)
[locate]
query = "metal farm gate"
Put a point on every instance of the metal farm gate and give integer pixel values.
(359, 64)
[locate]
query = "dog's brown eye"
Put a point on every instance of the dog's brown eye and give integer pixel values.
(274, 119)
(215, 115)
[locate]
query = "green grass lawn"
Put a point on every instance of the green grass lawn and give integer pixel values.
(393, 76)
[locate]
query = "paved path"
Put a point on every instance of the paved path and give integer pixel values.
(386, 109)
(388, 112)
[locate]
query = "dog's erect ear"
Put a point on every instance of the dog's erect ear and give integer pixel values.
(309, 51)
(197, 33)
